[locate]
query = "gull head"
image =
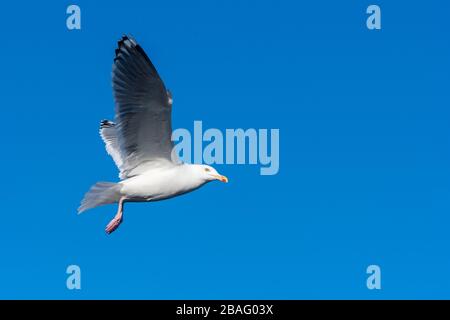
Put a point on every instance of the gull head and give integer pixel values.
(208, 173)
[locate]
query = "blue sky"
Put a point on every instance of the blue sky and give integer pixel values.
(364, 151)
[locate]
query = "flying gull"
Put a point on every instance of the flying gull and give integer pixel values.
(139, 141)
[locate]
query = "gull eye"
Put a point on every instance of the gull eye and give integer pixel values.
(207, 170)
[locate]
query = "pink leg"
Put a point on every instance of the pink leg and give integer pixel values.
(117, 220)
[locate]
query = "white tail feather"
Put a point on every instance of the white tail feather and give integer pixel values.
(100, 193)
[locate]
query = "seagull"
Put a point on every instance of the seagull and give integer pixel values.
(139, 141)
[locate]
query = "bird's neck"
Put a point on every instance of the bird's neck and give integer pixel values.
(189, 175)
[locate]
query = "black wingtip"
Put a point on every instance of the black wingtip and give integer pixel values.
(120, 44)
(106, 124)
(129, 41)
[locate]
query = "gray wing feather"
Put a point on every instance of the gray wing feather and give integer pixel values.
(108, 133)
(143, 109)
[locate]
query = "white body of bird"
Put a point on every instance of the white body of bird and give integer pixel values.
(162, 183)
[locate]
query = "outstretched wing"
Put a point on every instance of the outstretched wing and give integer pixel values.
(108, 133)
(143, 110)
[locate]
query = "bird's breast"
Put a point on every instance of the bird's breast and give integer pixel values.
(157, 186)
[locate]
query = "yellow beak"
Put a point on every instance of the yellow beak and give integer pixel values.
(222, 178)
